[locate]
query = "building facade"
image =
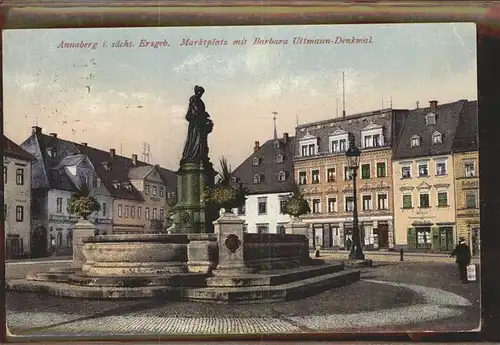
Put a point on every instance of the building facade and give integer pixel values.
(268, 175)
(320, 168)
(424, 178)
(17, 199)
(466, 171)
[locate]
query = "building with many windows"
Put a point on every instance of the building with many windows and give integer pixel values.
(57, 170)
(424, 177)
(17, 198)
(268, 175)
(466, 171)
(320, 167)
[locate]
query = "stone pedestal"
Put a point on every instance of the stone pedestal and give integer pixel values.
(298, 227)
(82, 229)
(229, 231)
(202, 253)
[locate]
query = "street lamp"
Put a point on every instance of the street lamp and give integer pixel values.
(352, 155)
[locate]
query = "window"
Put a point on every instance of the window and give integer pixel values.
(469, 169)
(315, 176)
(330, 174)
(332, 205)
(367, 202)
(441, 168)
(407, 202)
(347, 173)
(442, 198)
(316, 203)
(139, 212)
(423, 237)
(349, 203)
(276, 144)
(120, 210)
(342, 145)
(262, 205)
(382, 202)
(146, 189)
(381, 172)
(59, 238)
(304, 150)
(424, 200)
(162, 214)
(423, 170)
(437, 138)
(280, 229)
(103, 209)
(368, 141)
(335, 146)
(279, 158)
(242, 210)
(146, 213)
(312, 150)
(282, 206)
(302, 177)
(132, 212)
(154, 190)
(430, 119)
(98, 182)
(126, 211)
(20, 176)
(470, 200)
(154, 213)
(4, 174)
(281, 176)
(376, 140)
(255, 161)
(161, 191)
(19, 213)
(406, 172)
(415, 141)
(69, 239)
(59, 205)
(365, 171)
(256, 179)
(262, 229)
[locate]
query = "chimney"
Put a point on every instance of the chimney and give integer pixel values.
(285, 137)
(256, 147)
(36, 130)
(433, 105)
(134, 159)
(53, 135)
(112, 153)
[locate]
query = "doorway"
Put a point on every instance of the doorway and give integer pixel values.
(383, 236)
(39, 242)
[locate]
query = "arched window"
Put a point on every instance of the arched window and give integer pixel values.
(276, 144)
(281, 176)
(255, 161)
(437, 138)
(256, 179)
(415, 141)
(279, 158)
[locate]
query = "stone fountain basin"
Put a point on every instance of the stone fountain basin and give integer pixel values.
(116, 255)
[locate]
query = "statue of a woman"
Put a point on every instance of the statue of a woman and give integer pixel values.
(200, 125)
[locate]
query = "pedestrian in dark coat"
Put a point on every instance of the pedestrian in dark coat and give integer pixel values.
(462, 252)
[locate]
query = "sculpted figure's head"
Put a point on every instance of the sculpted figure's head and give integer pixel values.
(198, 90)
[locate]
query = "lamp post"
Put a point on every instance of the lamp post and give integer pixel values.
(352, 155)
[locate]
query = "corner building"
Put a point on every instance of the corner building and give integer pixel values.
(320, 168)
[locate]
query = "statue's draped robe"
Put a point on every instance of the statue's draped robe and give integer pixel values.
(196, 146)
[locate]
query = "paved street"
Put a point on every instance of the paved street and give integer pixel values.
(391, 296)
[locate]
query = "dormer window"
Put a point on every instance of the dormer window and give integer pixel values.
(255, 161)
(437, 138)
(372, 136)
(51, 151)
(415, 141)
(256, 179)
(116, 184)
(233, 179)
(308, 145)
(430, 119)
(106, 166)
(279, 158)
(276, 144)
(282, 176)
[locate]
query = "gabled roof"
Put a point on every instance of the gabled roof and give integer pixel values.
(47, 167)
(140, 172)
(467, 137)
(268, 169)
(11, 149)
(447, 120)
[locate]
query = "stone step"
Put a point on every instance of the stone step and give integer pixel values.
(256, 294)
(272, 278)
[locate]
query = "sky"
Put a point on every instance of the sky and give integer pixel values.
(121, 97)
